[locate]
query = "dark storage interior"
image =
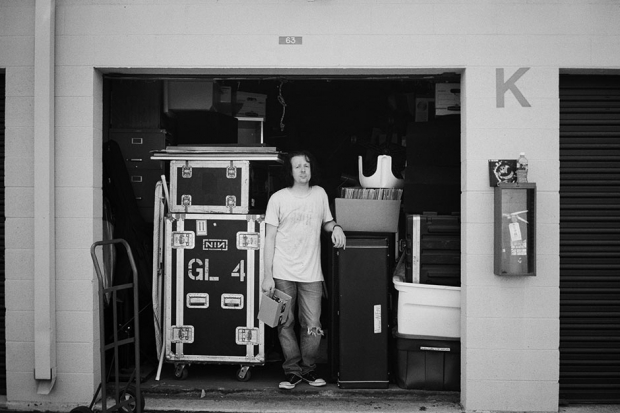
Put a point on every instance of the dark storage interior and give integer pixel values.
(338, 119)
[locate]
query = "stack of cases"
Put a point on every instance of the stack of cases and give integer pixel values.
(434, 249)
(212, 267)
(433, 258)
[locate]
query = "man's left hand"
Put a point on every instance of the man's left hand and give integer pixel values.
(338, 238)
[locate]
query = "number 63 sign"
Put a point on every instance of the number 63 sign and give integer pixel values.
(289, 40)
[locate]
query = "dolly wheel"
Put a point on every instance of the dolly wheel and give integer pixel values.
(81, 409)
(181, 372)
(130, 394)
(243, 374)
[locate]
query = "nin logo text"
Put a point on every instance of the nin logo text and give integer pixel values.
(215, 245)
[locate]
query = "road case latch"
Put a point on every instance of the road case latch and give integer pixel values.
(246, 335)
(232, 301)
(231, 171)
(231, 202)
(186, 170)
(183, 240)
(248, 240)
(182, 334)
(186, 201)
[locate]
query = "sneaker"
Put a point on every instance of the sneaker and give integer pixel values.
(312, 380)
(291, 381)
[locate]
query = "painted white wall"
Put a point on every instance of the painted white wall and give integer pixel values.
(510, 325)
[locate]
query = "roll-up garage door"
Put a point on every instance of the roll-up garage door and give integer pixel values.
(590, 239)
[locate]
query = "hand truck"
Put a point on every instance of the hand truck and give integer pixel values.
(127, 397)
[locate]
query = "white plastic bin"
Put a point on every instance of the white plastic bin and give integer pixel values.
(428, 310)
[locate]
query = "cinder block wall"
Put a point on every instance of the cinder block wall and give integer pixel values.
(509, 325)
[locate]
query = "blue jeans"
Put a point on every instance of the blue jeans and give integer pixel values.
(300, 358)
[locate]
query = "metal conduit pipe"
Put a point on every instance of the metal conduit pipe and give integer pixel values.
(44, 189)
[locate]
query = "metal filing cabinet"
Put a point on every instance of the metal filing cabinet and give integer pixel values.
(136, 146)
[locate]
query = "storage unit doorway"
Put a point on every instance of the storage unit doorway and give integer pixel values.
(590, 238)
(337, 118)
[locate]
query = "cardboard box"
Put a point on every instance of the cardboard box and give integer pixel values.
(368, 215)
(191, 95)
(274, 309)
(251, 104)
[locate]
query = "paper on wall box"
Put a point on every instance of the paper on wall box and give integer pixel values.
(274, 309)
(368, 215)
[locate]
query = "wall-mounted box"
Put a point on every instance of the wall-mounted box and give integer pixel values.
(515, 229)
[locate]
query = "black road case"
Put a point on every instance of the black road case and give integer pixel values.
(213, 272)
(210, 186)
(434, 249)
(359, 281)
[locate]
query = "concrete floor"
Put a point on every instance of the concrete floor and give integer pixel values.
(214, 388)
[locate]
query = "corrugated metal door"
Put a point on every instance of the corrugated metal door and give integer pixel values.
(2, 243)
(590, 239)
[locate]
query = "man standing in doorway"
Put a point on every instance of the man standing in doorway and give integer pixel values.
(295, 216)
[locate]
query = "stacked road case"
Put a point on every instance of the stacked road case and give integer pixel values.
(434, 249)
(209, 269)
(427, 336)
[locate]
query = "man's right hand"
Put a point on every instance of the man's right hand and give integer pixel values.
(268, 285)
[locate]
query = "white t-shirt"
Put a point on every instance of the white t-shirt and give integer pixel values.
(299, 221)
